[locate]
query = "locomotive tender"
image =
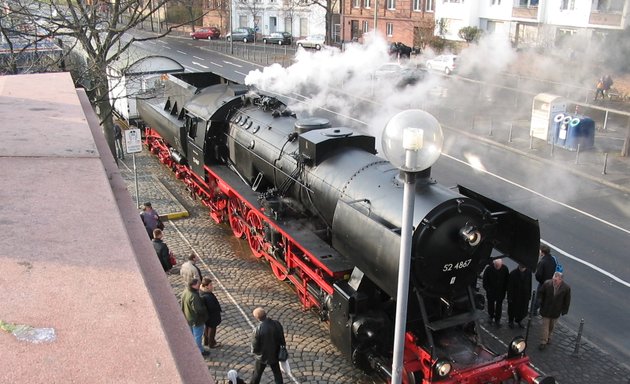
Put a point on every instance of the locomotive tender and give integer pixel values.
(317, 204)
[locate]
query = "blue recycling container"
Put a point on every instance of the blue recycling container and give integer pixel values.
(571, 131)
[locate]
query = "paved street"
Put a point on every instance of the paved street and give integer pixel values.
(243, 283)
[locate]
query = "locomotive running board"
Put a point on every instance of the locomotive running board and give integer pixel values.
(518, 235)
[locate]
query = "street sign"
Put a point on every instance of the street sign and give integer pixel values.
(133, 140)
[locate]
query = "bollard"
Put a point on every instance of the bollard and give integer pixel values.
(605, 163)
(553, 146)
(605, 121)
(577, 340)
(473, 123)
(531, 141)
(491, 124)
(510, 133)
(577, 155)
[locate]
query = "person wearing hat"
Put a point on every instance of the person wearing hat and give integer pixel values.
(233, 377)
(149, 218)
(214, 313)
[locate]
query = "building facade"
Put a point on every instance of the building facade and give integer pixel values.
(405, 21)
(534, 23)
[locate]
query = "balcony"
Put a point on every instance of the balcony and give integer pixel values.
(525, 13)
(610, 19)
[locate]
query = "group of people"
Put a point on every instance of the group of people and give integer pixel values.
(603, 86)
(553, 295)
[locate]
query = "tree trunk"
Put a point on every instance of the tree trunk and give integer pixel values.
(104, 112)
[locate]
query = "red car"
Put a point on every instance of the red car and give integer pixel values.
(210, 33)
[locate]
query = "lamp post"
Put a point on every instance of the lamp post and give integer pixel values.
(411, 141)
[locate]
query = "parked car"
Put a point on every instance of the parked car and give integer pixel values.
(443, 63)
(313, 41)
(400, 75)
(280, 38)
(241, 34)
(209, 33)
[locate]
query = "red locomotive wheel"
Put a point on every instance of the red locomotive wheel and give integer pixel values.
(235, 212)
(255, 235)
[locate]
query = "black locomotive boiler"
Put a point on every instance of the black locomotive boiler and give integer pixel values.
(318, 204)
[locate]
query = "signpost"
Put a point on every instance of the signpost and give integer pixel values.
(133, 145)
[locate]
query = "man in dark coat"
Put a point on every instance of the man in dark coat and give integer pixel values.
(214, 313)
(495, 279)
(555, 299)
(161, 249)
(266, 342)
(544, 271)
(518, 292)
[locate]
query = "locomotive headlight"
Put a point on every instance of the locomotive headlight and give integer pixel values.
(412, 140)
(470, 235)
(517, 346)
(442, 367)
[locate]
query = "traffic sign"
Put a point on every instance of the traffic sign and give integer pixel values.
(133, 140)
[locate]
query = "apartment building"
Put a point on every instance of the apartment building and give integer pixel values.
(298, 17)
(534, 23)
(405, 21)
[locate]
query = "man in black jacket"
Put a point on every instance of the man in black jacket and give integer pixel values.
(544, 271)
(266, 342)
(495, 280)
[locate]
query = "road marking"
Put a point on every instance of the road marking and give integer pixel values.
(191, 69)
(217, 64)
(199, 58)
(575, 258)
(182, 52)
(231, 63)
(241, 73)
(201, 65)
(218, 282)
(167, 47)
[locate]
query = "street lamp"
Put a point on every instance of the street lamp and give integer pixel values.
(412, 141)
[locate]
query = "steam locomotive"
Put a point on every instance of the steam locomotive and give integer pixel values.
(316, 203)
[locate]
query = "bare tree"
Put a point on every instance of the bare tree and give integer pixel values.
(255, 8)
(98, 29)
(330, 6)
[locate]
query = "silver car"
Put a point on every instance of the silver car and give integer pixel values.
(443, 63)
(313, 41)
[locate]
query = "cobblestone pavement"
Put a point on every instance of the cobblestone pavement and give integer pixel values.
(242, 283)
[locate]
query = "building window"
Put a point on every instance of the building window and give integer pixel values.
(528, 3)
(453, 1)
(303, 26)
(567, 5)
(288, 24)
(608, 5)
(391, 4)
(429, 6)
(417, 5)
(367, 4)
(356, 3)
(365, 26)
(389, 28)
(495, 2)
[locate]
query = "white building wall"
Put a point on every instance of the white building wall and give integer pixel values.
(315, 16)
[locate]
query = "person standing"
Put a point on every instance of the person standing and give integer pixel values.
(555, 299)
(120, 153)
(189, 270)
(266, 341)
(599, 88)
(544, 271)
(161, 249)
(518, 292)
(495, 279)
(149, 218)
(195, 312)
(214, 313)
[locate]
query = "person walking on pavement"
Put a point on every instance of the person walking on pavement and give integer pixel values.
(120, 153)
(161, 249)
(518, 291)
(555, 299)
(544, 271)
(189, 270)
(495, 279)
(150, 218)
(266, 341)
(214, 313)
(195, 312)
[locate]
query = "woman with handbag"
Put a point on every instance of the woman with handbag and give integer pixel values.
(162, 250)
